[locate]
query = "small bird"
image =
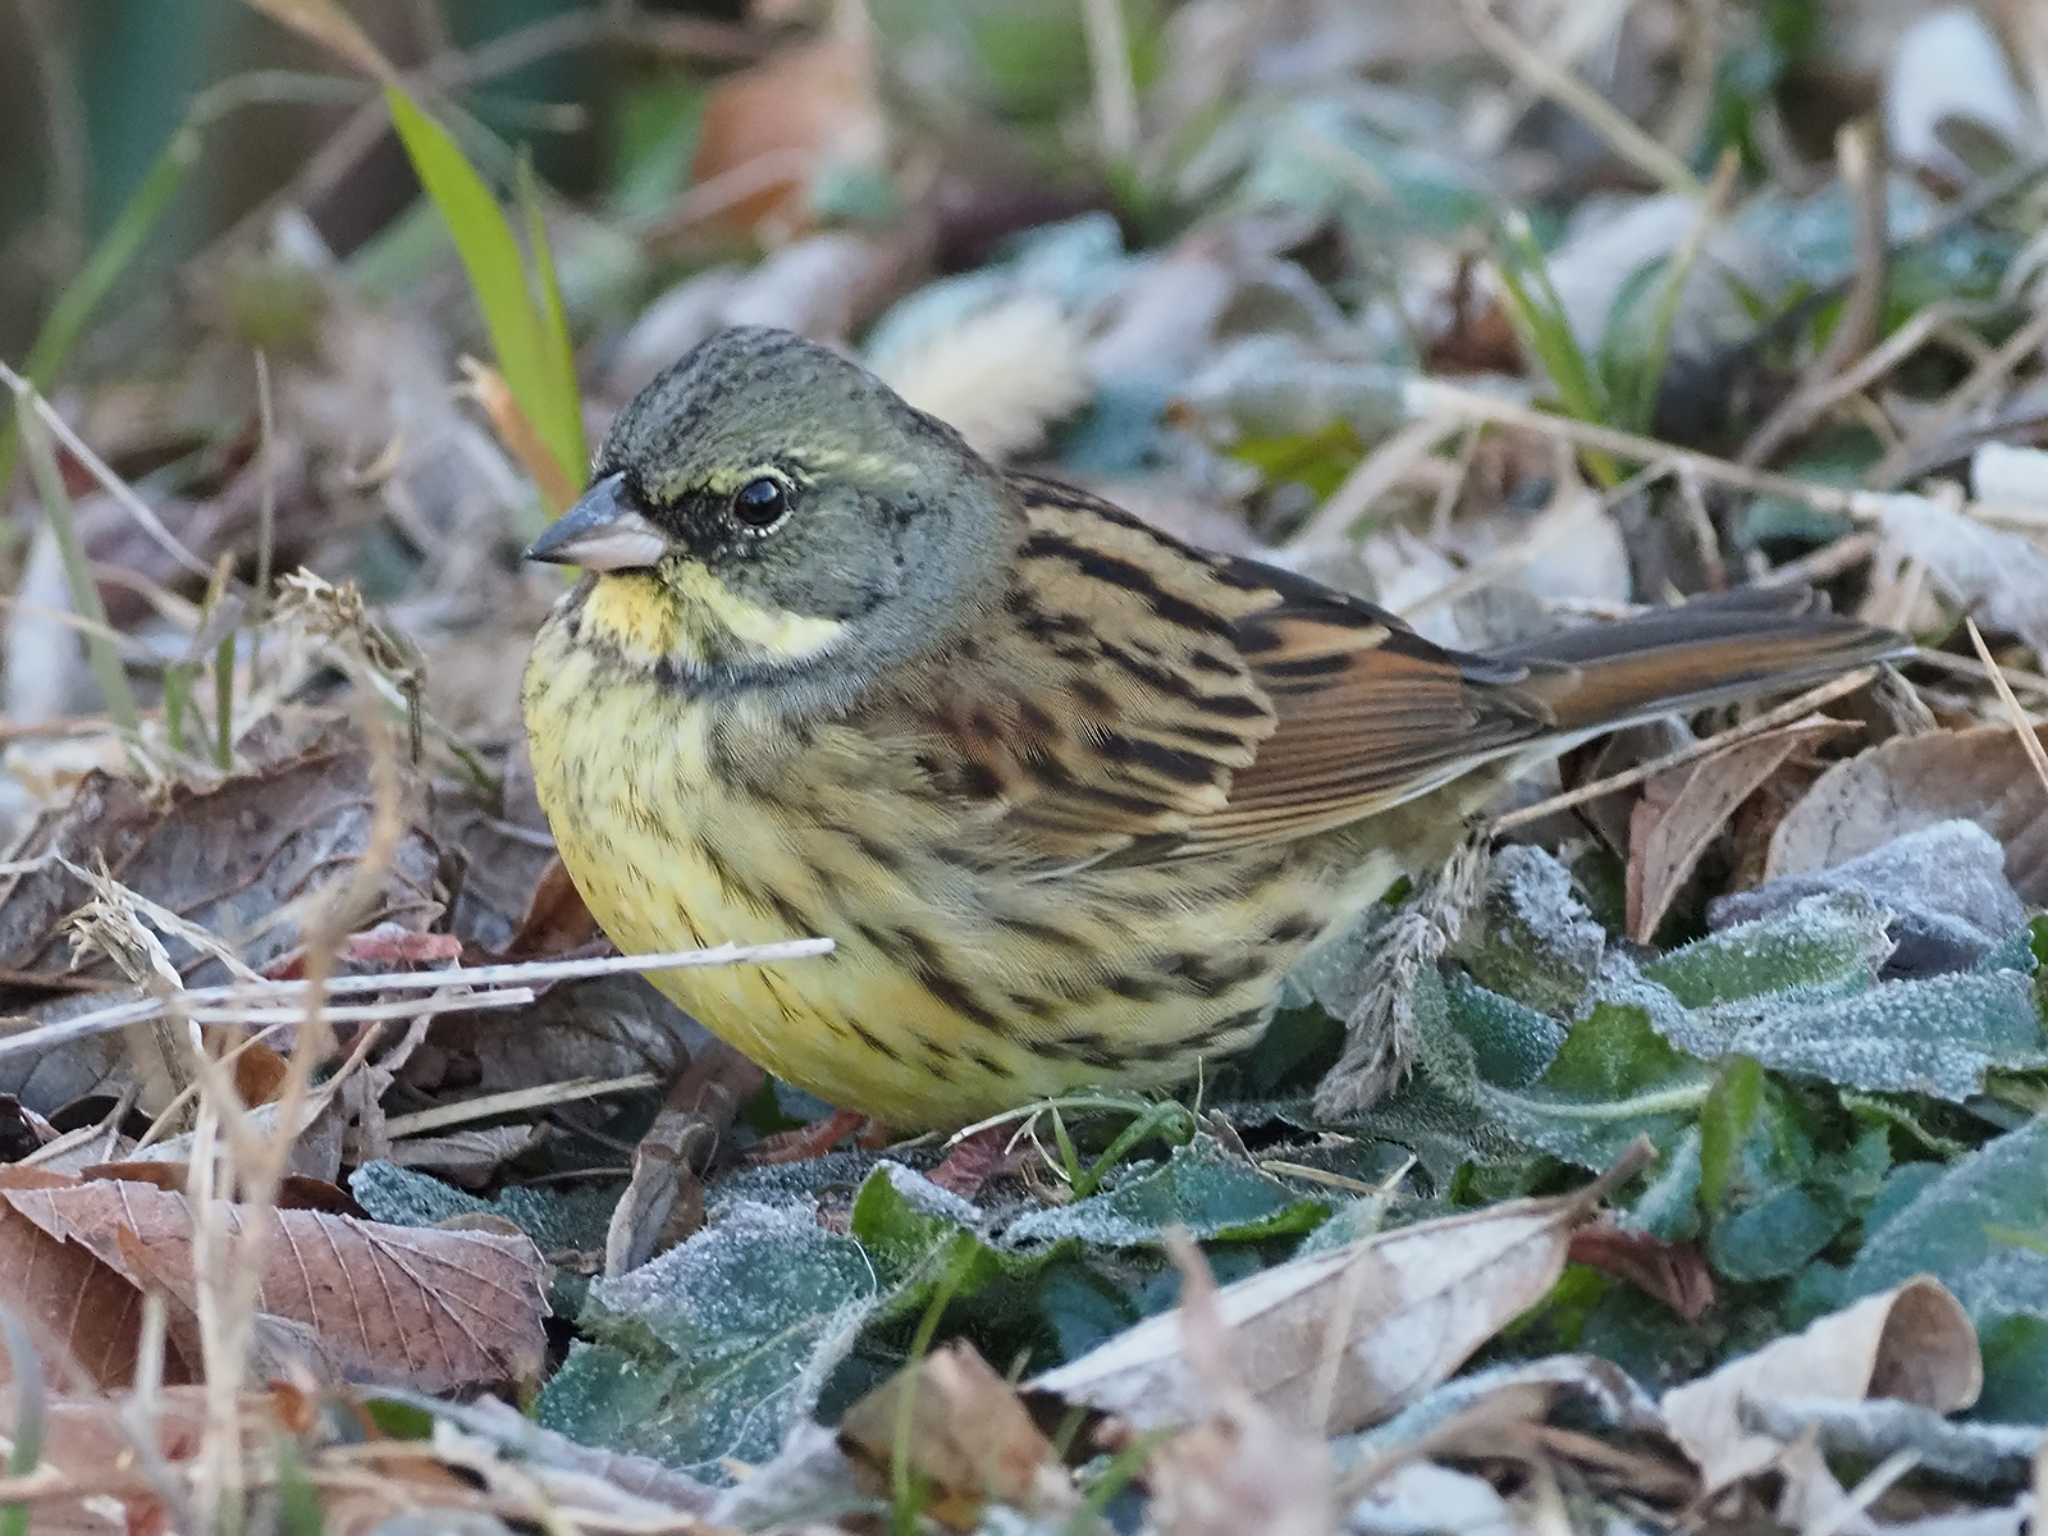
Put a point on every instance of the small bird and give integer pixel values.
(1069, 794)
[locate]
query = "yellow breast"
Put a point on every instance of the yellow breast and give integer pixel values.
(689, 820)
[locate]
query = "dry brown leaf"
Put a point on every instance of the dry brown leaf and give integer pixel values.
(1913, 1343)
(970, 1438)
(497, 860)
(663, 1201)
(556, 920)
(1243, 1468)
(1682, 811)
(76, 1307)
(1400, 1310)
(428, 1308)
(471, 1156)
(768, 130)
(516, 432)
(241, 859)
(1675, 1273)
(1982, 775)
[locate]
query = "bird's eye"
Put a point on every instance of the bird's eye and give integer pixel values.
(761, 504)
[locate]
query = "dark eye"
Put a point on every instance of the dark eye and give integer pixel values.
(762, 503)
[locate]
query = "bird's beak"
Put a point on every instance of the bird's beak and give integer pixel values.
(601, 533)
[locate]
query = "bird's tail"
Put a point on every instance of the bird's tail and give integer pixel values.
(1707, 651)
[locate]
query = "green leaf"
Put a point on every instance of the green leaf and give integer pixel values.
(1511, 1045)
(1216, 1196)
(1725, 1123)
(1614, 1080)
(1834, 941)
(1952, 1229)
(2015, 1371)
(1939, 1036)
(117, 248)
(1539, 317)
(717, 1347)
(1669, 1206)
(554, 1216)
(527, 336)
(1776, 1234)
(1534, 940)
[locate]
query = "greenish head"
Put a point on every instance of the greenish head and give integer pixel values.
(796, 510)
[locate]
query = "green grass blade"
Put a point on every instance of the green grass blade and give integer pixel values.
(110, 258)
(562, 425)
(85, 595)
(496, 270)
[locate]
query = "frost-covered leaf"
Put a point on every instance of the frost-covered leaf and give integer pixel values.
(554, 1216)
(1404, 1308)
(1944, 885)
(716, 1347)
(1533, 939)
(1938, 1036)
(1217, 1197)
(1826, 942)
(1968, 1227)
(1614, 1079)
(1910, 782)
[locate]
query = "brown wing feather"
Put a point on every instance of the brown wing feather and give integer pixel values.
(1171, 702)
(1155, 701)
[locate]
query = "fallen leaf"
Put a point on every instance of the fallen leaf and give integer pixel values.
(241, 859)
(430, 1309)
(1683, 810)
(78, 1309)
(1913, 1343)
(969, 1439)
(556, 919)
(1910, 782)
(1243, 1467)
(470, 1157)
(663, 1202)
(768, 131)
(1675, 1273)
(1381, 1321)
(516, 432)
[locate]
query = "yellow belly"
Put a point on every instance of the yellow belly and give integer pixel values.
(951, 995)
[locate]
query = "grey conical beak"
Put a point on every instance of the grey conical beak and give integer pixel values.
(601, 533)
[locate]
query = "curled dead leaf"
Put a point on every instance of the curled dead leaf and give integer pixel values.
(1355, 1333)
(1913, 1343)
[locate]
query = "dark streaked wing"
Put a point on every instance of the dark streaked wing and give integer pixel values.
(1160, 701)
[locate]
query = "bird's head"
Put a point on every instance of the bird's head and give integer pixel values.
(766, 507)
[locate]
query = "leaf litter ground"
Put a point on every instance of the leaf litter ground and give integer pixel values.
(1713, 1177)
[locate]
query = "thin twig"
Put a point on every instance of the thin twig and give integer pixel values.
(1770, 720)
(1424, 396)
(517, 1101)
(2024, 728)
(1631, 143)
(242, 1002)
(1859, 152)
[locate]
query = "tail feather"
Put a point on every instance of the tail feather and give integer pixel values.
(1703, 652)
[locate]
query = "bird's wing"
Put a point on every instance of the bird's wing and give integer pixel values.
(1155, 701)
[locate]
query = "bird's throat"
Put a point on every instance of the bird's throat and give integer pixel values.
(688, 618)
